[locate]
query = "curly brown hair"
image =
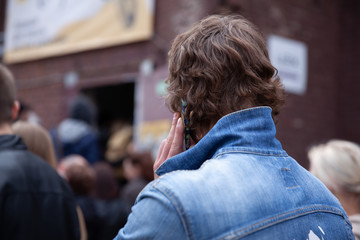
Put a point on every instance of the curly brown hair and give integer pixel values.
(221, 65)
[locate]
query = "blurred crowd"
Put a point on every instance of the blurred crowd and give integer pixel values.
(105, 187)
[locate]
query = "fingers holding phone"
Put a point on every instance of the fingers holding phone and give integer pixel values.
(173, 144)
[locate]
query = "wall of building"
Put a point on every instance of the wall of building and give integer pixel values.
(349, 71)
(328, 109)
(310, 118)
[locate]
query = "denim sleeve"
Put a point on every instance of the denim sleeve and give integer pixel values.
(155, 215)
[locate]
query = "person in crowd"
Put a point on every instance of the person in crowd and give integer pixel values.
(102, 218)
(235, 181)
(66, 162)
(121, 135)
(337, 164)
(27, 114)
(37, 140)
(106, 185)
(81, 178)
(116, 149)
(138, 173)
(76, 134)
(35, 202)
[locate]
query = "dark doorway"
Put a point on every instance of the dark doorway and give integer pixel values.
(115, 103)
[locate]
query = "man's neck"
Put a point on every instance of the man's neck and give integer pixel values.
(5, 129)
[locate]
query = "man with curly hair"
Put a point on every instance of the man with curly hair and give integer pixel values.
(236, 181)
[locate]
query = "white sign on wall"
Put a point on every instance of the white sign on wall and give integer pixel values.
(290, 59)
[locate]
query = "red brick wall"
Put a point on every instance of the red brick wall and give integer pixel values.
(312, 117)
(349, 74)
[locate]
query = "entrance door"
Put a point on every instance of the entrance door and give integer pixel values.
(115, 105)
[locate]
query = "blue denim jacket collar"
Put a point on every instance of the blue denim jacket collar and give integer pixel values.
(250, 130)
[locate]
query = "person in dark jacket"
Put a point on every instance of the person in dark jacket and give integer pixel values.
(35, 202)
(75, 134)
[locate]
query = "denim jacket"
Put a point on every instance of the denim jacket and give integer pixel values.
(236, 183)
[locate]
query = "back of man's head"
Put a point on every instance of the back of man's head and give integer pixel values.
(7, 94)
(83, 109)
(221, 65)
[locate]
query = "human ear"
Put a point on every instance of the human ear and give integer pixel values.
(15, 110)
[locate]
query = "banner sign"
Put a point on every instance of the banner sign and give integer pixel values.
(290, 57)
(42, 28)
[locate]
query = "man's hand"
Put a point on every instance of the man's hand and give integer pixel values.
(173, 144)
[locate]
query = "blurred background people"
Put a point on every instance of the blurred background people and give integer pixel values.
(102, 217)
(121, 135)
(76, 134)
(106, 185)
(37, 140)
(138, 172)
(337, 164)
(68, 161)
(29, 209)
(27, 114)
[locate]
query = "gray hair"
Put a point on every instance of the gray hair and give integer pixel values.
(337, 164)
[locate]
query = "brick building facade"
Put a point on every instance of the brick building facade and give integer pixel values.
(328, 109)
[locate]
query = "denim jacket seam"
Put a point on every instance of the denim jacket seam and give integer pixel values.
(249, 152)
(286, 182)
(177, 205)
(246, 110)
(281, 218)
(348, 230)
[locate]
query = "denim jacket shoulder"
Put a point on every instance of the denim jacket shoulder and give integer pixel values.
(236, 183)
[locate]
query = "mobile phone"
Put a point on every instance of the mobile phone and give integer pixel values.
(186, 122)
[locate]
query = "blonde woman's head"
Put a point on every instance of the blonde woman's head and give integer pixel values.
(37, 140)
(337, 164)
